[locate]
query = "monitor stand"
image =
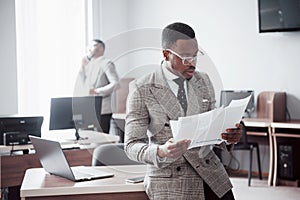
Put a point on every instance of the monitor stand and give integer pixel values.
(249, 112)
(78, 137)
(78, 123)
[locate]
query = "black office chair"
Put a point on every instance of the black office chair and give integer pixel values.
(245, 145)
(111, 154)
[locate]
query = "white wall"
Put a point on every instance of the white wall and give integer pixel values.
(110, 22)
(228, 32)
(8, 57)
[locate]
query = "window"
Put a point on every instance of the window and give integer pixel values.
(51, 40)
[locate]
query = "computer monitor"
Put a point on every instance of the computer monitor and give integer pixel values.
(15, 129)
(75, 112)
(228, 95)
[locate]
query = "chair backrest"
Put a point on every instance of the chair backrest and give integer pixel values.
(272, 106)
(120, 94)
(111, 154)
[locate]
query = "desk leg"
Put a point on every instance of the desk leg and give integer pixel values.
(271, 161)
(275, 157)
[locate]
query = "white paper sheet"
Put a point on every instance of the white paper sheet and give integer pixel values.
(206, 128)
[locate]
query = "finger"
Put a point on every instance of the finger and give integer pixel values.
(231, 138)
(180, 144)
(179, 150)
(177, 147)
(230, 130)
(237, 132)
(238, 125)
(177, 153)
(170, 144)
(183, 141)
(228, 136)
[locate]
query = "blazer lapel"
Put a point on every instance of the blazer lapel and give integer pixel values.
(168, 102)
(165, 96)
(194, 97)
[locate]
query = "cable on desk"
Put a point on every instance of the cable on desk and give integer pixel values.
(288, 114)
(12, 149)
(232, 157)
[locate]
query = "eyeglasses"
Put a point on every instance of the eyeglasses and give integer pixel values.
(186, 60)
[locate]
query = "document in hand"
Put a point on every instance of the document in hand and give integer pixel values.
(206, 128)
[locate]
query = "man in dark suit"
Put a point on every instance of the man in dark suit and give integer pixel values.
(173, 172)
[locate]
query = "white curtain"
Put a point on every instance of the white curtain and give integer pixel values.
(51, 40)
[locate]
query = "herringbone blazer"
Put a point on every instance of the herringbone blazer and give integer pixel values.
(150, 106)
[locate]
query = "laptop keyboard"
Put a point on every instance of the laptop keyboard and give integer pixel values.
(79, 174)
(85, 172)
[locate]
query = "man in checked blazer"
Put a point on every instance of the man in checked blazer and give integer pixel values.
(173, 172)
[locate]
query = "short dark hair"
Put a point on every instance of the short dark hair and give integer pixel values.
(100, 42)
(176, 31)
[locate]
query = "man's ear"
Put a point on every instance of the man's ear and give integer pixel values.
(166, 55)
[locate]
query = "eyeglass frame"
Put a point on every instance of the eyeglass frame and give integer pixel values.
(183, 58)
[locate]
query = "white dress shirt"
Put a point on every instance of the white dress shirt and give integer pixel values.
(170, 80)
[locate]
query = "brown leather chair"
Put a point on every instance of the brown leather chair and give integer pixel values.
(272, 106)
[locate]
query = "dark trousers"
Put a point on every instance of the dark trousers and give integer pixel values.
(210, 195)
(105, 123)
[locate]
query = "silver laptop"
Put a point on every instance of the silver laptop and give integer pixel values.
(54, 162)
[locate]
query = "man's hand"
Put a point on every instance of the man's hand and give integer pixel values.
(84, 62)
(233, 135)
(173, 149)
(92, 92)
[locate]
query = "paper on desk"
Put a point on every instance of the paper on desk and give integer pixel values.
(206, 128)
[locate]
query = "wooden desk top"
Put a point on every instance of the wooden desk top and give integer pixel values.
(37, 182)
(261, 122)
(257, 122)
(293, 124)
(90, 137)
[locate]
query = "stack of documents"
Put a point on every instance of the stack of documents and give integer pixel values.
(206, 128)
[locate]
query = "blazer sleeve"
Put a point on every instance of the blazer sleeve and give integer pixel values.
(136, 142)
(112, 78)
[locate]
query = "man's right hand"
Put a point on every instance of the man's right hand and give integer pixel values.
(173, 149)
(84, 61)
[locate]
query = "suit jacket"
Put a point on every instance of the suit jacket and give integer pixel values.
(150, 106)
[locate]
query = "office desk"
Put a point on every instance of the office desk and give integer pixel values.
(276, 128)
(265, 131)
(274, 132)
(38, 184)
(13, 167)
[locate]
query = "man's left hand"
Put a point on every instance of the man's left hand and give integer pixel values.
(93, 92)
(233, 135)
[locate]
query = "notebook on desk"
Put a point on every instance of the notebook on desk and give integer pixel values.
(54, 162)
